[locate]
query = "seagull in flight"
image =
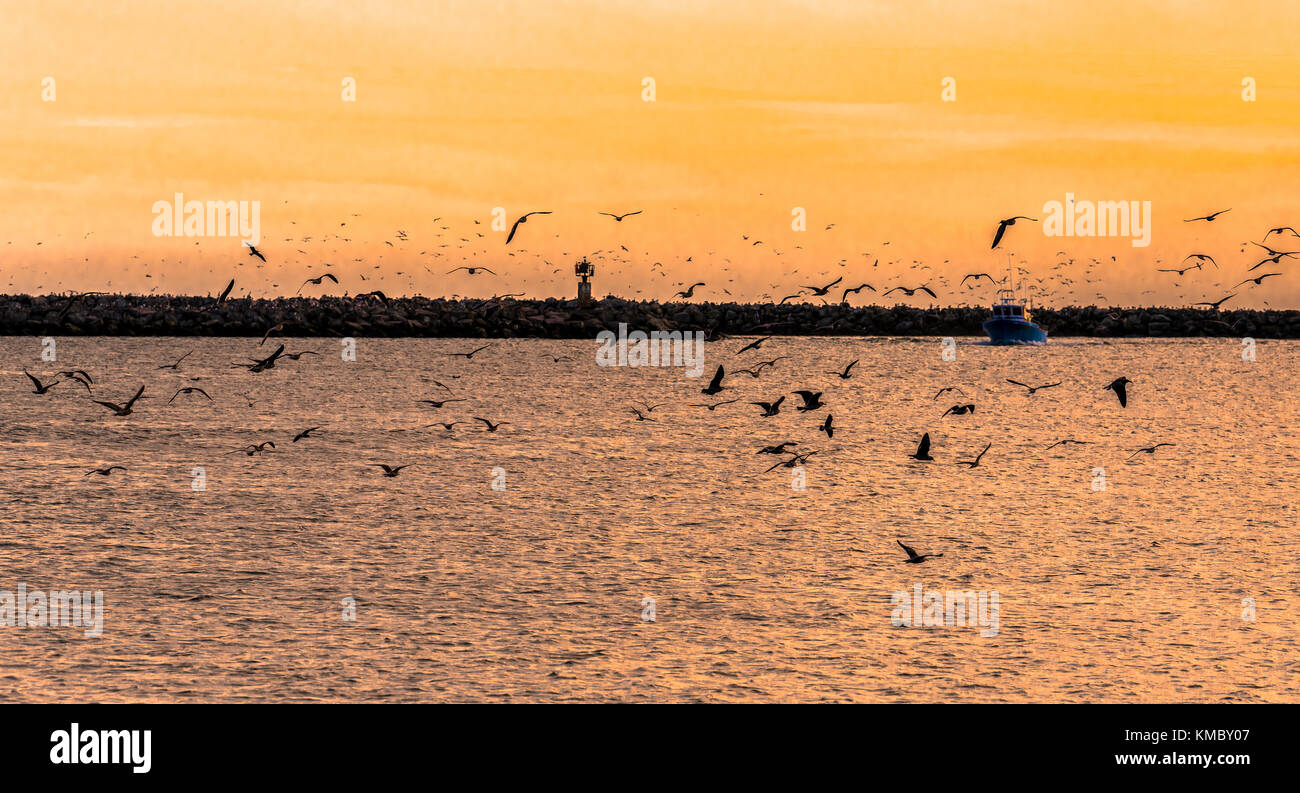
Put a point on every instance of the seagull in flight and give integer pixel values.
(922, 449)
(855, 290)
(689, 291)
(910, 292)
(715, 405)
(1067, 440)
(470, 270)
(1002, 228)
(1148, 450)
(770, 408)
(821, 291)
(390, 471)
(812, 400)
(1258, 280)
(1215, 304)
(797, 460)
(977, 277)
(753, 345)
(1210, 217)
(188, 390)
(778, 448)
(121, 410)
(844, 375)
(1033, 388)
(1118, 386)
(221, 298)
(827, 427)
(946, 389)
(1281, 229)
(913, 557)
(715, 385)
(468, 355)
(105, 471)
(253, 251)
(975, 463)
(619, 218)
(177, 364)
(959, 410)
(40, 387)
(490, 426)
(523, 219)
(437, 404)
(317, 280)
(305, 434)
(254, 448)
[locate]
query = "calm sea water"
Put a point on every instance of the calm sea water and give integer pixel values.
(1141, 591)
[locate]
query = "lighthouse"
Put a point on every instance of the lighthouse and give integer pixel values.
(584, 270)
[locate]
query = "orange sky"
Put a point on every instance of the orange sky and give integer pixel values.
(467, 106)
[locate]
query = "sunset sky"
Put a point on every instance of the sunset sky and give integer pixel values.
(462, 107)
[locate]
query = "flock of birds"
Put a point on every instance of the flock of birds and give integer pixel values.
(533, 272)
(43, 384)
(812, 401)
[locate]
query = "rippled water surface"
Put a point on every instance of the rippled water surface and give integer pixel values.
(763, 592)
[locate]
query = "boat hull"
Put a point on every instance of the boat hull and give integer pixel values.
(1010, 331)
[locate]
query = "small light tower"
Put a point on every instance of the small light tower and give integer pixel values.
(584, 270)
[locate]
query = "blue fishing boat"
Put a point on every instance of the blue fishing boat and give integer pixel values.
(1011, 324)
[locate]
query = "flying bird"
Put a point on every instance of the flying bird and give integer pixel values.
(715, 385)
(523, 219)
(1067, 440)
(1002, 227)
(253, 251)
(1215, 304)
(105, 471)
(822, 290)
(913, 557)
(470, 270)
(910, 292)
(812, 400)
(689, 291)
(1118, 386)
(390, 471)
(188, 390)
(977, 277)
(1258, 280)
(975, 463)
(177, 363)
(317, 280)
(1210, 217)
(304, 434)
(619, 218)
(1148, 450)
(40, 387)
(1033, 388)
(468, 355)
(827, 427)
(490, 426)
(221, 298)
(922, 449)
(770, 408)
(959, 410)
(121, 410)
(844, 375)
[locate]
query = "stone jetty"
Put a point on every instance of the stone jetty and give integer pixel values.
(377, 315)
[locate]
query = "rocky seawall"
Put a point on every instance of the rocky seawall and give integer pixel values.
(375, 315)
